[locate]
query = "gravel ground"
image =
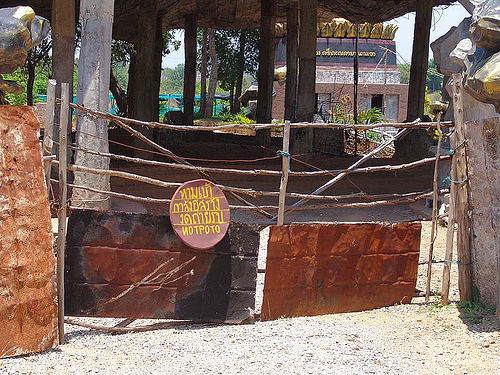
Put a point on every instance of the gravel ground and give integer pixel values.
(412, 339)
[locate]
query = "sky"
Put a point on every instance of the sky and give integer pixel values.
(443, 19)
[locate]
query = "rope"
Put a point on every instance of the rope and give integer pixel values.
(286, 155)
(452, 150)
(448, 179)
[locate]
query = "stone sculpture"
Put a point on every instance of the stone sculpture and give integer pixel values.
(20, 30)
(481, 63)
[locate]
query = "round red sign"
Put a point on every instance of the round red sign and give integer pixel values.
(199, 213)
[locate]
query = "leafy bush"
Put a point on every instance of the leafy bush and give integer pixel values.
(238, 118)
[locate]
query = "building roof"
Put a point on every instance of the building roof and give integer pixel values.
(237, 14)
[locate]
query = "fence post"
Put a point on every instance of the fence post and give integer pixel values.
(48, 133)
(63, 197)
(450, 231)
(462, 203)
(285, 153)
(434, 212)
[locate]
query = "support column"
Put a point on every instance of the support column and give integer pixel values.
(292, 46)
(145, 72)
(419, 59)
(302, 139)
(189, 67)
(265, 74)
(416, 144)
(63, 50)
(92, 92)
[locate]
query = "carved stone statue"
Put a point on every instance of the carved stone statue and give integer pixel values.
(20, 30)
(481, 62)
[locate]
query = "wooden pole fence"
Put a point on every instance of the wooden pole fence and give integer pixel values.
(63, 197)
(285, 153)
(256, 127)
(462, 202)
(48, 133)
(434, 214)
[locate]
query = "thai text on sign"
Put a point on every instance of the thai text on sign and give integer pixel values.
(199, 213)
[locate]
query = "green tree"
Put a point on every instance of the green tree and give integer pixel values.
(434, 80)
(172, 80)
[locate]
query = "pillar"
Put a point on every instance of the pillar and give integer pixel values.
(189, 67)
(63, 49)
(302, 139)
(416, 144)
(292, 45)
(92, 92)
(265, 73)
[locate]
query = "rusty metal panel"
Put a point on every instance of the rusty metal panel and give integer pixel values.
(133, 266)
(315, 269)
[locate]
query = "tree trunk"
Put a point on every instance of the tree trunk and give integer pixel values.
(212, 84)
(241, 65)
(189, 86)
(203, 94)
(31, 80)
(118, 93)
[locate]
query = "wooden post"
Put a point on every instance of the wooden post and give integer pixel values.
(450, 231)
(292, 46)
(434, 213)
(419, 59)
(144, 76)
(284, 173)
(93, 89)
(302, 139)
(63, 197)
(63, 49)
(356, 81)
(48, 134)
(189, 67)
(462, 205)
(265, 73)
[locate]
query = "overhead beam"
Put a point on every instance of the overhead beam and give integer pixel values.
(189, 67)
(265, 73)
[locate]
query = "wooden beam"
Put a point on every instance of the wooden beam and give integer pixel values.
(265, 74)
(419, 59)
(93, 88)
(462, 203)
(284, 173)
(189, 67)
(62, 213)
(48, 133)
(302, 140)
(292, 46)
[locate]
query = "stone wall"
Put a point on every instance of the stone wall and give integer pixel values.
(28, 308)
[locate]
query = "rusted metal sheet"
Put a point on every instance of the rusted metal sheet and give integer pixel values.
(199, 214)
(133, 266)
(315, 269)
(28, 305)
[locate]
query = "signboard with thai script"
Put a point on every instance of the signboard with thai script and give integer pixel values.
(199, 213)
(340, 52)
